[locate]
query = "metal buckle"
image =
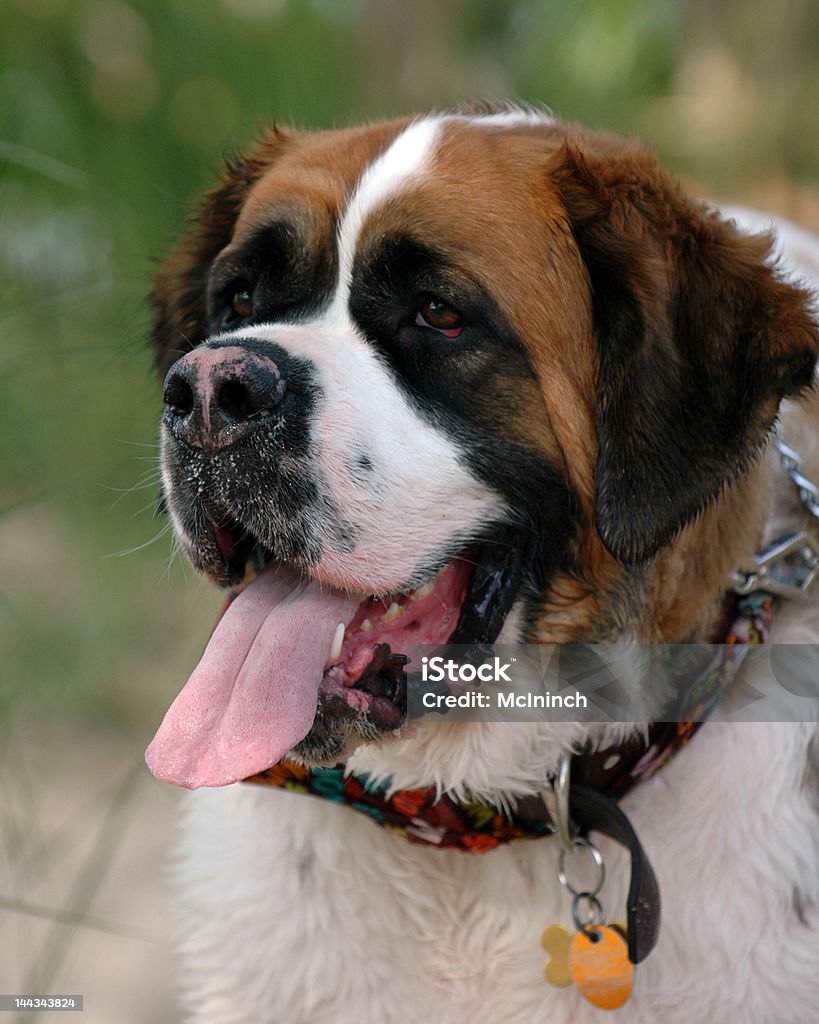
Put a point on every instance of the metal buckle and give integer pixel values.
(798, 578)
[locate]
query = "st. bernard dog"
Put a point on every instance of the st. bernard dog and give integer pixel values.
(478, 375)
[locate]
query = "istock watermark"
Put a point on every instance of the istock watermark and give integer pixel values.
(438, 670)
(614, 682)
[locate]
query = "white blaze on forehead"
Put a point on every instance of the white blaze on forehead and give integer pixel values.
(404, 161)
(408, 158)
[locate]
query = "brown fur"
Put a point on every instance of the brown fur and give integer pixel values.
(661, 339)
(315, 169)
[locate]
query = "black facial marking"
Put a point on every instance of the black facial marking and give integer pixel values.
(287, 276)
(363, 470)
(472, 388)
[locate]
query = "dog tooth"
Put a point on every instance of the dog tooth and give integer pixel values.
(338, 640)
(366, 626)
(393, 612)
(422, 592)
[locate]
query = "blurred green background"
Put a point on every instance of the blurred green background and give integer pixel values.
(113, 115)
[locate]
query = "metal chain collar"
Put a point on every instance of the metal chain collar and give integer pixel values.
(808, 491)
(790, 565)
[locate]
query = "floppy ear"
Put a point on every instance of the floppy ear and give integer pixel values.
(699, 340)
(178, 299)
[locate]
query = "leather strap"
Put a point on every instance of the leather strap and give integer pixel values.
(593, 812)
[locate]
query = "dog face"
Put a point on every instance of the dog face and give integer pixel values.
(429, 379)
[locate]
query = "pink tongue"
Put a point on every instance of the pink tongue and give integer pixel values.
(253, 695)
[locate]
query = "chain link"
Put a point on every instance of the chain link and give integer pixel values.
(795, 556)
(594, 916)
(808, 491)
(580, 844)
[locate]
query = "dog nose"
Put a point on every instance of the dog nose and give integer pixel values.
(215, 395)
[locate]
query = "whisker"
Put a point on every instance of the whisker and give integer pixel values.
(140, 547)
(138, 444)
(148, 480)
(140, 511)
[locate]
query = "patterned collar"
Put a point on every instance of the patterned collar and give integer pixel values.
(427, 817)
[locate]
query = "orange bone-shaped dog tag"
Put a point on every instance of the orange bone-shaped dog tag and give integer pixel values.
(600, 967)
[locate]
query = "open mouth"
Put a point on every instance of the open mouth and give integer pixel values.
(290, 652)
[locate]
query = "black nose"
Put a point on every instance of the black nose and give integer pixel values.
(215, 395)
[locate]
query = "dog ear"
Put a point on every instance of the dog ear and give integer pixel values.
(178, 299)
(699, 340)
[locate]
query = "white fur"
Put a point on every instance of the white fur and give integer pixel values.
(294, 910)
(406, 511)
(332, 920)
(511, 118)
(401, 165)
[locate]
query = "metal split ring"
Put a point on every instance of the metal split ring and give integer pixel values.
(579, 843)
(595, 915)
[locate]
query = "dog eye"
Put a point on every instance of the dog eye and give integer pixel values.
(241, 304)
(441, 317)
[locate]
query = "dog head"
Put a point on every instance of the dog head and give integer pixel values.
(443, 380)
